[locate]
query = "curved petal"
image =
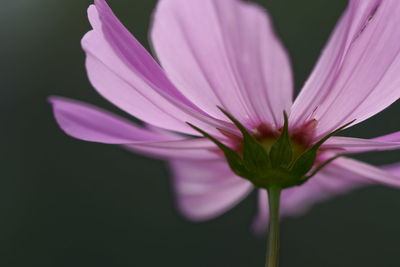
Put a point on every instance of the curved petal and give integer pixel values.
(88, 123)
(224, 53)
(393, 137)
(207, 189)
(186, 149)
(368, 172)
(123, 72)
(357, 74)
(340, 177)
(393, 168)
(359, 145)
(261, 221)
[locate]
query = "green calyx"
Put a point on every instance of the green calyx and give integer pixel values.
(278, 164)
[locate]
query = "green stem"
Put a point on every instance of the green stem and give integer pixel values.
(274, 194)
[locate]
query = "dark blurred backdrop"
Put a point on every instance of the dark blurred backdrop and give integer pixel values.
(69, 203)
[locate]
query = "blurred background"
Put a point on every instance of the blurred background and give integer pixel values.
(69, 203)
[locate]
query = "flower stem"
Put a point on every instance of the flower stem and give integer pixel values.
(274, 194)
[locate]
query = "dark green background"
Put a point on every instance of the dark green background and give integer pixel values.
(65, 202)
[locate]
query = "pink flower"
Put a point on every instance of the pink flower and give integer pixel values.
(225, 53)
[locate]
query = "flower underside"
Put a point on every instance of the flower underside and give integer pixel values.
(274, 158)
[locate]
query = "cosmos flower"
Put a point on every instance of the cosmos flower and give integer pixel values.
(224, 53)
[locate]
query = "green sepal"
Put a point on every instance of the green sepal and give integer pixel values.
(255, 157)
(320, 167)
(281, 153)
(234, 160)
(305, 161)
(277, 166)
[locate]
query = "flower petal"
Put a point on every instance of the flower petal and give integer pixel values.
(184, 149)
(261, 221)
(187, 149)
(340, 177)
(224, 53)
(357, 75)
(393, 168)
(206, 189)
(88, 123)
(123, 72)
(368, 172)
(359, 145)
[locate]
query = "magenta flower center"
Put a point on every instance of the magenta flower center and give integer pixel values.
(301, 137)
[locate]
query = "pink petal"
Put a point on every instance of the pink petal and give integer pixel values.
(224, 53)
(260, 223)
(357, 75)
(393, 137)
(124, 73)
(358, 145)
(393, 168)
(340, 177)
(185, 149)
(88, 123)
(207, 189)
(369, 172)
